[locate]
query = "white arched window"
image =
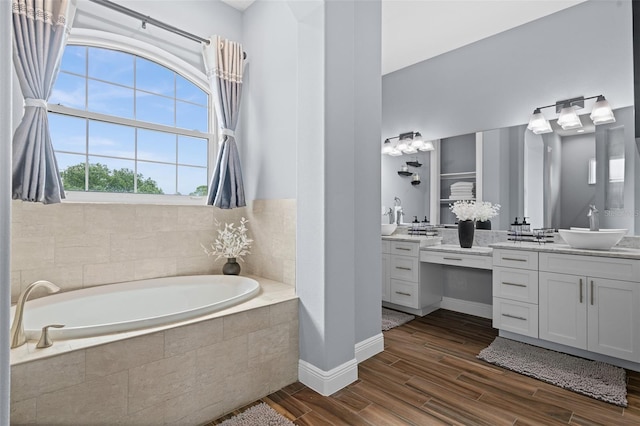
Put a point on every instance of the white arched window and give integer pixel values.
(128, 118)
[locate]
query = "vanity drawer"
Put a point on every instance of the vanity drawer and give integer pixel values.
(517, 317)
(386, 246)
(516, 259)
(464, 260)
(404, 268)
(405, 294)
(515, 284)
(404, 248)
(591, 266)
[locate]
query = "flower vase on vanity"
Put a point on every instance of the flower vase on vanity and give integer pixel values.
(472, 215)
(232, 243)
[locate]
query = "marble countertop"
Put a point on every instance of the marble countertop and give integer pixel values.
(423, 240)
(452, 248)
(619, 252)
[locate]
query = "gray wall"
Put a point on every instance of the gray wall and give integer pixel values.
(368, 112)
(203, 18)
(268, 142)
(415, 198)
(575, 193)
(6, 132)
(498, 81)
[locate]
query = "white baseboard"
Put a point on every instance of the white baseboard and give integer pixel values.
(466, 307)
(369, 347)
(327, 382)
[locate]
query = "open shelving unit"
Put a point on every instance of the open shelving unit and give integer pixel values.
(456, 159)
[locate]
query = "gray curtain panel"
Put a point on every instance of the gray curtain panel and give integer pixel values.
(40, 29)
(224, 64)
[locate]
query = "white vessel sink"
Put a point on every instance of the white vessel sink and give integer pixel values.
(582, 238)
(388, 228)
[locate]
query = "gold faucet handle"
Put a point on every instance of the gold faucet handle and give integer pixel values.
(45, 341)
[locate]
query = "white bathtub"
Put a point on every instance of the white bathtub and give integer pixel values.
(134, 305)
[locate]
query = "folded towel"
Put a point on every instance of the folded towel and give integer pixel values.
(463, 185)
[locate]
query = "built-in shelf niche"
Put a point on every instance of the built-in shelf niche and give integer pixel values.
(455, 159)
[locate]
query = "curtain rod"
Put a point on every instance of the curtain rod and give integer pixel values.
(149, 20)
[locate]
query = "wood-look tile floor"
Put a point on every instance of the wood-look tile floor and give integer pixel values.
(428, 375)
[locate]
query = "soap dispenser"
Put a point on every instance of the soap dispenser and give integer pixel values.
(415, 225)
(516, 227)
(526, 227)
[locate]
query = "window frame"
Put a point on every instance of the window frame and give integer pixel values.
(106, 40)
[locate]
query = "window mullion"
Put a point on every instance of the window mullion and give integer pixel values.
(60, 109)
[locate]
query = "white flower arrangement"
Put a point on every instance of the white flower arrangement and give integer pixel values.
(232, 241)
(486, 210)
(471, 210)
(464, 210)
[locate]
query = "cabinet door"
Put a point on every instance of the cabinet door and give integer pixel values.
(563, 309)
(613, 315)
(386, 279)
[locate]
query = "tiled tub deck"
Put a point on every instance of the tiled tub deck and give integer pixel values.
(187, 373)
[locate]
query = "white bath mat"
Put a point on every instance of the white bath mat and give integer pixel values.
(391, 319)
(596, 379)
(260, 414)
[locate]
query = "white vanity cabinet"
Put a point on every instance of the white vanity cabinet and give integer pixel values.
(404, 274)
(386, 279)
(403, 288)
(591, 303)
(515, 291)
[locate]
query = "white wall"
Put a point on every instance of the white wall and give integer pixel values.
(6, 132)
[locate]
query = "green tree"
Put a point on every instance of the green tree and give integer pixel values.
(105, 180)
(200, 191)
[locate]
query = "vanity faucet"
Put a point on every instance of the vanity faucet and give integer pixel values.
(18, 337)
(594, 222)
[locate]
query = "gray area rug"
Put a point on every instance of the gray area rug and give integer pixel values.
(391, 319)
(260, 414)
(596, 379)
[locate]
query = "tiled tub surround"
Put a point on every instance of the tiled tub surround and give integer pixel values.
(188, 374)
(78, 245)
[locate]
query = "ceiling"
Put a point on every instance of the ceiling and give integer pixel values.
(416, 30)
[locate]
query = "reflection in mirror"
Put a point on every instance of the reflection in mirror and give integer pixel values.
(567, 171)
(614, 169)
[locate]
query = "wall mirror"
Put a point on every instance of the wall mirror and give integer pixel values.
(551, 178)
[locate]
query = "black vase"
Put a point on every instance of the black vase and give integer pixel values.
(483, 224)
(231, 267)
(465, 233)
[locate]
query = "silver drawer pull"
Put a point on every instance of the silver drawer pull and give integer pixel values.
(452, 258)
(403, 268)
(402, 248)
(514, 317)
(514, 259)
(403, 293)
(514, 284)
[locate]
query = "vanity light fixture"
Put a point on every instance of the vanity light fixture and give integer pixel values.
(538, 124)
(408, 143)
(569, 119)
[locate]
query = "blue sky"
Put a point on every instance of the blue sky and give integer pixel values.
(119, 84)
